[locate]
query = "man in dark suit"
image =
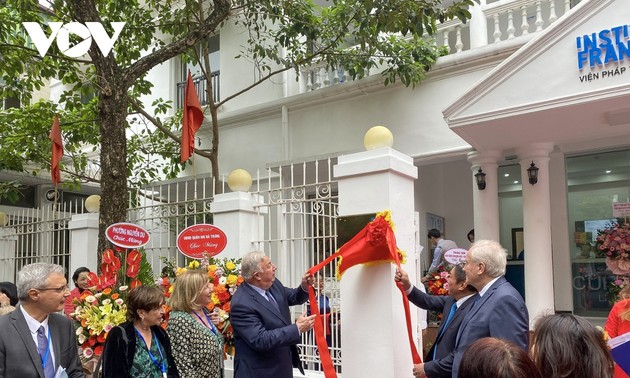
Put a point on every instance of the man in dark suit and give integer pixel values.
(439, 360)
(35, 341)
(265, 339)
(500, 310)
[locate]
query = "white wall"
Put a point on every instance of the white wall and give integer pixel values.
(445, 190)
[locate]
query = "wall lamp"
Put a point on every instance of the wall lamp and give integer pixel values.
(532, 173)
(480, 177)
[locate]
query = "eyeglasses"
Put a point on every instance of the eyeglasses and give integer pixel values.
(462, 263)
(61, 289)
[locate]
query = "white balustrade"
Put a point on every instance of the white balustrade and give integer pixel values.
(506, 19)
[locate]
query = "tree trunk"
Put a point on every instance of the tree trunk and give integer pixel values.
(112, 116)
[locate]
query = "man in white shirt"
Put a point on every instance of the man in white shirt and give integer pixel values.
(441, 246)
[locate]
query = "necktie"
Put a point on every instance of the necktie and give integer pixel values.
(448, 319)
(271, 299)
(43, 349)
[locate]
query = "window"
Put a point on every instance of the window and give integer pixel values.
(595, 182)
(197, 74)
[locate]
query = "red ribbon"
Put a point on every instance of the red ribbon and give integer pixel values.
(362, 236)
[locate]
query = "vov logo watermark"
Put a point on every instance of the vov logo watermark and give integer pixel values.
(61, 32)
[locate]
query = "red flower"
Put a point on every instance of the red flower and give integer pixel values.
(134, 257)
(135, 283)
(109, 256)
(133, 270)
(92, 280)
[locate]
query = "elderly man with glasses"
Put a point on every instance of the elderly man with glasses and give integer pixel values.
(35, 340)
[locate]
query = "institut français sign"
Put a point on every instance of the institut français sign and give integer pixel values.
(603, 54)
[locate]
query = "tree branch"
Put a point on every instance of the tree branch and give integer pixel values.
(135, 104)
(220, 12)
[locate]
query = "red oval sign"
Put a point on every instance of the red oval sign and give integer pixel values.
(127, 235)
(201, 239)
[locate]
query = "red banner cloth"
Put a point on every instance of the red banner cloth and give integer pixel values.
(57, 151)
(376, 242)
(193, 117)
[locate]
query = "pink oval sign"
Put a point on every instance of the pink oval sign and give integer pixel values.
(127, 235)
(455, 255)
(201, 239)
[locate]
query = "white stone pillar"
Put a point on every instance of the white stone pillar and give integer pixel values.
(486, 202)
(374, 334)
(478, 27)
(537, 231)
(8, 239)
(83, 242)
(239, 215)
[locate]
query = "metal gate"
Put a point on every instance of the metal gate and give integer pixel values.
(165, 209)
(300, 215)
(36, 235)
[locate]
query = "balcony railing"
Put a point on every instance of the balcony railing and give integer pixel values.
(502, 20)
(200, 87)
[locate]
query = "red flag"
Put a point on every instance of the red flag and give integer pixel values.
(57, 151)
(193, 117)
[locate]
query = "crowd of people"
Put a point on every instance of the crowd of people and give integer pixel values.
(485, 328)
(484, 332)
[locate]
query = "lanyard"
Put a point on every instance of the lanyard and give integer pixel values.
(45, 358)
(212, 328)
(162, 367)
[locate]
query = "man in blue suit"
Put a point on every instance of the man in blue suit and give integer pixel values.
(439, 360)
(264, 337)
(500, 310)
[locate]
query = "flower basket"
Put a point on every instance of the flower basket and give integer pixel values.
(103, 306)
(614, 243)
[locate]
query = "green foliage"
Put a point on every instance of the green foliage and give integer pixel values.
(360, 36)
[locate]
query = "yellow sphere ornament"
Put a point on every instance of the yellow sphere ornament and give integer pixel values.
(239, 180)
(93, 203)
(377, 137)
(4, 219)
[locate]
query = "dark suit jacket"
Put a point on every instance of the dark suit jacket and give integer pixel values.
(18, 352)
(500, 313)
(264, 338)
(442, 365)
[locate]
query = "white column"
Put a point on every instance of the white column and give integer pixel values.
(8, 239)
(83, 242)
(239, 215)
(374, 333)
(537, 231)
(486, 202)
(478, 28)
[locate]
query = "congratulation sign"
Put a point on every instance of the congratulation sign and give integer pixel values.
(455, 255)
(621, 209)
(127, 235)
(201, 239)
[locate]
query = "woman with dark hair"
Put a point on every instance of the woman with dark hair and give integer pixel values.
(618, 322)
(490, 357)
(140, 347)
(8, 297)
(80, 278)
(569, 346)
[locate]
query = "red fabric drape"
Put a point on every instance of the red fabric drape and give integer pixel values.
(57, 151)
(376, 242)
(193, 117)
